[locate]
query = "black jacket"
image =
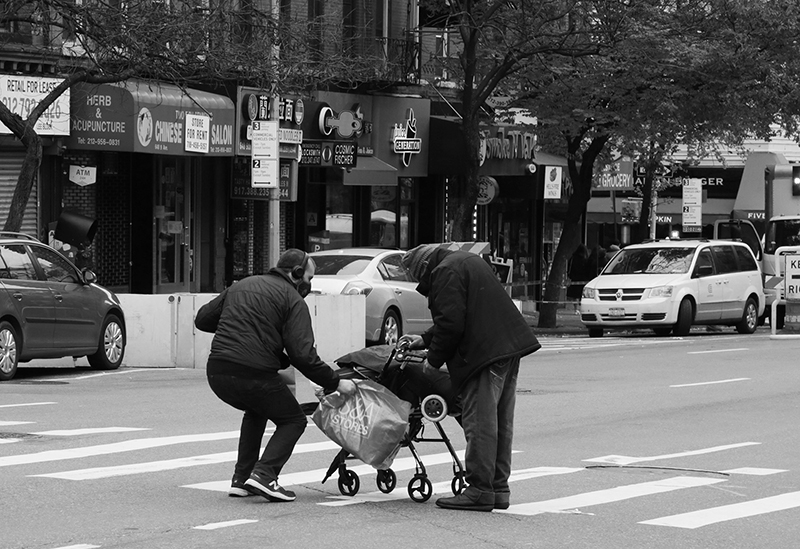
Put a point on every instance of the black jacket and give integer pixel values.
(475, 323)
(260, 317)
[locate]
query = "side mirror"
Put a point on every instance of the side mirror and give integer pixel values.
(89, 276)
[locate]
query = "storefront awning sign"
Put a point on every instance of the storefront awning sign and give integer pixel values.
(552, 183)
(137, 116)
(83, 175)
(21, 94)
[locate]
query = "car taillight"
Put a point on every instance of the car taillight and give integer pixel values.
(357, 288)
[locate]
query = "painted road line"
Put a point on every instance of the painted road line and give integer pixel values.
(10, 423)
(218, 525)
(79, 546)
(755, 471)
(627, 460)
(171, 464)
(316, 475)
(89, 431)
(444, 487)
(711, 382)
(610, 495)
(26, 404)
(9, 440)
(714, 515)
(113, 448)
(717, 351)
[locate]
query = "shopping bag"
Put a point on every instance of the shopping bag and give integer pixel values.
(369, 424)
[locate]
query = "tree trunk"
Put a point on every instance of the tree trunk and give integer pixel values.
(25, 181)
(464, 189)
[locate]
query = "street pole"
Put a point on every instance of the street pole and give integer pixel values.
(274, 243)
(653, 204)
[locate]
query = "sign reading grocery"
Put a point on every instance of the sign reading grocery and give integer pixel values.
(618, 176)
(21, 94)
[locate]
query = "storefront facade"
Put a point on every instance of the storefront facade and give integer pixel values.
(161, 159)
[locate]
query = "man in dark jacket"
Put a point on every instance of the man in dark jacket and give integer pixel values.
(258, 318)
(481, 336)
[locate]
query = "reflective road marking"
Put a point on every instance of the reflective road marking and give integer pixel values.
(717, 351)
(610, 495)
(89, 431)
(712, 382)
(704, 517)
(627, 460)
(25, 404)
(216, 525)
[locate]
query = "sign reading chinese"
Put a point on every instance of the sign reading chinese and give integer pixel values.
(21, 94)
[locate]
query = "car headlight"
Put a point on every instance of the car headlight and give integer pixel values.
(357, 287)
(589, 293)
(661, 291)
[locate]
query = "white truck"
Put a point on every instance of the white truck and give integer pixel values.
(782, 229)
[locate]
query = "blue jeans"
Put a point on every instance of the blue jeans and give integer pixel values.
(488, 400)
(262, 400)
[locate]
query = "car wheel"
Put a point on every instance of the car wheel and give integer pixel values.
(685, 317)
(9, 357)
(662, 331)
(391, 328)
(595, 332)
(111, 348)
(749, 321)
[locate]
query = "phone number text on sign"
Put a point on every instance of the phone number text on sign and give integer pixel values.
(21, 94)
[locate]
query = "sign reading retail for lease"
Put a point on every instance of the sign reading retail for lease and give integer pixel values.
(21, 94)
(552, 183)
(198, 130)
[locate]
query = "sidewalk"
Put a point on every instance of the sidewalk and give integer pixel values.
(567, 323)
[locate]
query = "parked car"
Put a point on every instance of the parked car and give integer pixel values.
(50, 309)
(671, 285)
(394, 307)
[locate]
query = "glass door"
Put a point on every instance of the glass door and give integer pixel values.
(172, 215)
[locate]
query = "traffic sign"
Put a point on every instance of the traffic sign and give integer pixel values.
(792, 277)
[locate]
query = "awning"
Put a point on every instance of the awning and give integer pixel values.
(371, 171)
(546, 159)
(137, 116)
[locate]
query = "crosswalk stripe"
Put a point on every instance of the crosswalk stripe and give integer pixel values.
(217, 525)
(10, 423)
(610, 495)
(115, 447)
(316, 475)
(26, 404)
(628, 460)
(442, 487)
(89, 431)
(704, 517)
(8, 440)
(95, 473)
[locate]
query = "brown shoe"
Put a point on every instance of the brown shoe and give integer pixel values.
(462, 502)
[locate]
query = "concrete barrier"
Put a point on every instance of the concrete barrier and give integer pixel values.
(161, 332)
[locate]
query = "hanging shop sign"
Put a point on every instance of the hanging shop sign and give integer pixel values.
(83, 175)
(340, 154)
(21, 94)
(198, 132)
(488, 190)
(506, 143)
(404, 138)
(617, 176)
(552, 183)
(256, 105)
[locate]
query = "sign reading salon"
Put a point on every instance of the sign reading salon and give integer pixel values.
(150, 118)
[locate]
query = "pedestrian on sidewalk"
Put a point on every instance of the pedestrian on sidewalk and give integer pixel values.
(481, 336)
(255, 321)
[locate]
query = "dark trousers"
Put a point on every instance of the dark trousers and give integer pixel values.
(262, 400)
(488, 401)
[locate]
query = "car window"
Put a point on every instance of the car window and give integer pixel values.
(725, 259)
(55, 267)
(17, 263)
(746, 261)
(704, 259)
(392, 269)
(650, 261)
(340, 264)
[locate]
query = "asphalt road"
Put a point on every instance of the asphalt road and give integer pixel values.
(633, 441)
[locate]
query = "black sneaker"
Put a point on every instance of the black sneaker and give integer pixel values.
(270, 490)
(238, 489)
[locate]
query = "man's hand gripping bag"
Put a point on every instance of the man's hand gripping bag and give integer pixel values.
(369, 424)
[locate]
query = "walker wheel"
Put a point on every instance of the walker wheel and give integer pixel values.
(349, 483)
(433, 408)
(420, 489)
(458, 483)
(386, 480)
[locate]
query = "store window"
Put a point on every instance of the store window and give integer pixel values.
(383, 230)
(329, 217)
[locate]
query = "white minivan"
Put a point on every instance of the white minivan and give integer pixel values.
(671, 285)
